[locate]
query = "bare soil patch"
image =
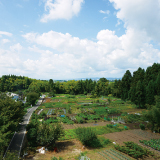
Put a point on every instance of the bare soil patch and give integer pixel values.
(46, 100)
(133, 135)
(68, 150)
(135, 125)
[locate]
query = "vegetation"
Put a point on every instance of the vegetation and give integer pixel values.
(89, 138)
(153, 143)
(11, 114)
(32, 97)
(44, 134)
(134, 150)
(80, 101)
(98, 130)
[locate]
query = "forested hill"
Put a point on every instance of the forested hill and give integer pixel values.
(14, 83)
(141, 87)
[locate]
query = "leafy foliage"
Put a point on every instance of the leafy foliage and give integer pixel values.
(11, 114)
(142, 126)
(43, 133)
(32, 97)
(133, 150)
(154, 143)
(87, 136)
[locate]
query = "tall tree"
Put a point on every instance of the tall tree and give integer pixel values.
(150, 93)
(125, 84)
(140, 95)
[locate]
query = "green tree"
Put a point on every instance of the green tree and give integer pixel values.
(158, 85)
(125, 84)
(11, 114)
(32, 97)
(153, 115)
(150, 93)
(48, 134)
(140, 95)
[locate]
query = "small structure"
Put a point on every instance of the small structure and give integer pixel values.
(120, 120)
(13, 95)
(41, 150)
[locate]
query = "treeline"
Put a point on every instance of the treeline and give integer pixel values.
(141, 87)
(14, 83)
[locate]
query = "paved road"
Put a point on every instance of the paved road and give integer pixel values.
(17, 141)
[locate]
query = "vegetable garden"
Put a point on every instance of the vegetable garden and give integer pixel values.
(153, 143)
(81, 110)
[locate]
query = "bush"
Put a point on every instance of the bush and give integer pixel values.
(42, 115)
(79, 119)
(87, 136)
(32, 97)
(142, 126)
(48, 134)
(51, 94)
(45, 134)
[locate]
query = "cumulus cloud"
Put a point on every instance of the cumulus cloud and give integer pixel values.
(5, 33)
(16, 47)
(141, 15)
(61, 9)
(110, 55)
(5, 41)
(10, 63)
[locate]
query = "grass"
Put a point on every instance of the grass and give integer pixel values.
(99, 130)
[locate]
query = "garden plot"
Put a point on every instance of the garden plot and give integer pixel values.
(85, 125)
(134, 136)
(113, 155)
(153, 143)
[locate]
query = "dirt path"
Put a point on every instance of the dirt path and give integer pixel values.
(67, 126)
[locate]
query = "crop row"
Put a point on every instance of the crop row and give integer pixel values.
(134, 150)
(113, 154)
(153, 143)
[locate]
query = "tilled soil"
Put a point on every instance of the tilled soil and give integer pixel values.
(134, 136)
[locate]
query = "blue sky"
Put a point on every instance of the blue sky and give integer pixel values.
(68, 39)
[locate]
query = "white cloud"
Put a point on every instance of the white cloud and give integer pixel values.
(16, 47)
(61, 9)
(5, 41)
(104, 12)
(5, 33)
(141, 15)
(109, 56)
(10, 63)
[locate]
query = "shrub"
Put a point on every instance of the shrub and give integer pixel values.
(142, 126)
(42, 115)
(87, 136)
(51, 94)
(79, 119)
(133, 150)
(32, 97)
(85, 92)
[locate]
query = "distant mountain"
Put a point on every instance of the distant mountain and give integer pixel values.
(94, 79)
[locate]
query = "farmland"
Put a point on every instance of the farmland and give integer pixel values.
(101, 114)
